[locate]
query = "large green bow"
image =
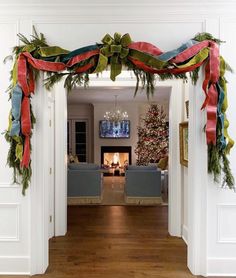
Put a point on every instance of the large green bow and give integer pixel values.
(113, 51)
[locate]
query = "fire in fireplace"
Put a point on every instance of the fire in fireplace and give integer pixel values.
(115, 156)
(116, 159)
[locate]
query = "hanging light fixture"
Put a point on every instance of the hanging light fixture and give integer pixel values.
(117, 114)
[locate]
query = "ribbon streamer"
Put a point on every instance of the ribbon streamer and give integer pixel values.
(26, 130)
(16, 111)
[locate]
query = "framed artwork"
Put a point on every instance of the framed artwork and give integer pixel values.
(183, 141)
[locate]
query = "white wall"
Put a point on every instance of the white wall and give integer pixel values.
(133, 112)
(153, 21)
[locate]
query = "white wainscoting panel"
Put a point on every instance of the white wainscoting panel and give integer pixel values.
(9, 222)
(14, 265)
(226, 225)
(221, 266)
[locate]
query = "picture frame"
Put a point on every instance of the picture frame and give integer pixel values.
(183, 143)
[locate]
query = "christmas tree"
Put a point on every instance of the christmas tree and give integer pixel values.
(153, 136)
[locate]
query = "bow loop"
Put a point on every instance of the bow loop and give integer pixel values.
(116, 49)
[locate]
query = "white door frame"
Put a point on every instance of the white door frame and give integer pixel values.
(39, 191)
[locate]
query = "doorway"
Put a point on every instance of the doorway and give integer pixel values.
(60, 100)
(175, 116)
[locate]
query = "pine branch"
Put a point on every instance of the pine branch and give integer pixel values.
(207, 36)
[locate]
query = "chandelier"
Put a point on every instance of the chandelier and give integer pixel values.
(116, 115)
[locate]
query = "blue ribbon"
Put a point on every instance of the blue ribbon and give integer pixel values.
(171, 54)
(78, 51)
(16, 110)
(220, 115)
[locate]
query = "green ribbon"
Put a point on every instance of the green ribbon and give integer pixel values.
(230, 141)
(114, 50)
(200, 57)
(14, 73)
(147, 59)
(52, 51)
(19, 147)
(29, 48)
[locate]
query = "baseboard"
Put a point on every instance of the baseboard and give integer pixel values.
(73, 201)
(185, 233)
(221, 267)
(143, 200)
(19, 265)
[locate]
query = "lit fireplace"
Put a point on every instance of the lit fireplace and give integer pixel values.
(115, 159)
(115, 156)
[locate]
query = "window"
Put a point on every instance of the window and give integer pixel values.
(78, 139)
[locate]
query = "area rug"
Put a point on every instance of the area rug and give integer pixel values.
(113, 191)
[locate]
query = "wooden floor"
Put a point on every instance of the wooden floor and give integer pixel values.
(117, 242)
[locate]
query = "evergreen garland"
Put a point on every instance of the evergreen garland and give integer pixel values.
(217, 156)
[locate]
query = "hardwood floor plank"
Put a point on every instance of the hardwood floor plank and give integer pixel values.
(117, 242)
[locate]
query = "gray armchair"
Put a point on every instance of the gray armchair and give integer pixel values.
(84, 183)
(143, 185)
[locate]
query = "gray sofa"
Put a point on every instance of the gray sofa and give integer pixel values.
(143, 185)
(84, 183)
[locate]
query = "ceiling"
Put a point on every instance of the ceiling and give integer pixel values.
(100, 94)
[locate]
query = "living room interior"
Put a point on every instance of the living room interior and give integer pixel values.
(103, 144)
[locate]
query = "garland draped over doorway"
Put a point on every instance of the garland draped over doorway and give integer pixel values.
(144, 59)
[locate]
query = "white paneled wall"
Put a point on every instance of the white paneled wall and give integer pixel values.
(14, 209)
(71, 26)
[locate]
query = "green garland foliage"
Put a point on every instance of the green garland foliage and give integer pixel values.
(206, 36)
(217, 157)
(217, 163)
(20, 176)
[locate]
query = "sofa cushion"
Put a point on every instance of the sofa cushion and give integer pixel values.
(142, 167)
(83, 166)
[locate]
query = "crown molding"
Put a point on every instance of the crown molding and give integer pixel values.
(210, 8)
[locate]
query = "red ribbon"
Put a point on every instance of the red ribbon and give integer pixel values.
(26, 130)
(144, 67)
(84, 68)
(145, 47)
(214, 64)
(189, 52)
(81, 57)
(22, 75)
(211, 115)
(44, 65)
